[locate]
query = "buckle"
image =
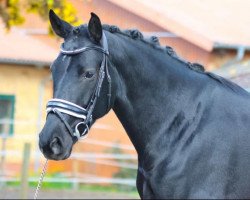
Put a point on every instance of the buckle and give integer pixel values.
(84, 134)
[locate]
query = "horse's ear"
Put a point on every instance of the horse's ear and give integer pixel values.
(95, 27)
(60, 27)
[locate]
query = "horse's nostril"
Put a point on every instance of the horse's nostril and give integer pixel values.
(54, 141)
(56, 145)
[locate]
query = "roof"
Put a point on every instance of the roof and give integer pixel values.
(19, 48)
(204, 23)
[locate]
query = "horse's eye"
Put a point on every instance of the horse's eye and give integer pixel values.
(88, 75)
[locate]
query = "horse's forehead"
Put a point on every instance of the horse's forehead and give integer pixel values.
(78, 38)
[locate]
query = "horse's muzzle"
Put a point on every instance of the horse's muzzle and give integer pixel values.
(53, 149)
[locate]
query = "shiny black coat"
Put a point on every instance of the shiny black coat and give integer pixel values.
(191, 128)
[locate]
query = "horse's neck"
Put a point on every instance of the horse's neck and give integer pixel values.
(148, 91)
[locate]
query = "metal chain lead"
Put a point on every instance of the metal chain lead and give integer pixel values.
(41, 179)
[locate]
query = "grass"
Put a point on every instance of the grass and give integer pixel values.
(120, 189)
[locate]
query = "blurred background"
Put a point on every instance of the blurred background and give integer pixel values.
(213, 33)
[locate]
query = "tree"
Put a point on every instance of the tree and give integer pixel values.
(11, 10)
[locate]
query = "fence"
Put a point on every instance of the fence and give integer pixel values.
(119, 156)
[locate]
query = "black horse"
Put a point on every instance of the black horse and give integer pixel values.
(190, 128)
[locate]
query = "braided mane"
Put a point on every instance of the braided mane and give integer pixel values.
(153, 41)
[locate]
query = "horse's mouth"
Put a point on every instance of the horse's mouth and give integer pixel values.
(57, 157)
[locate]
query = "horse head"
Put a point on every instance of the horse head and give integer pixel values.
(81, 86)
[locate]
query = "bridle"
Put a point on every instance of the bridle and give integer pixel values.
(61, 106)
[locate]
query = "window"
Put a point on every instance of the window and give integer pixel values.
(7, 114)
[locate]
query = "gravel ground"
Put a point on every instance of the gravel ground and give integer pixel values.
(14, 193)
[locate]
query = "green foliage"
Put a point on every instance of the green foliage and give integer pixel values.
(10, 10)
(69, 186)
(10, 13)
(126, 173)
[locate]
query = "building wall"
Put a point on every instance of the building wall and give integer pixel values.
(23, 82)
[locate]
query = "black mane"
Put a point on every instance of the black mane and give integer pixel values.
(153, 41)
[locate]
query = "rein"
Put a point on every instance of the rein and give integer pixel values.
(61, 106)
(41, 179)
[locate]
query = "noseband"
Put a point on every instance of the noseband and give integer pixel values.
(59, 106)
